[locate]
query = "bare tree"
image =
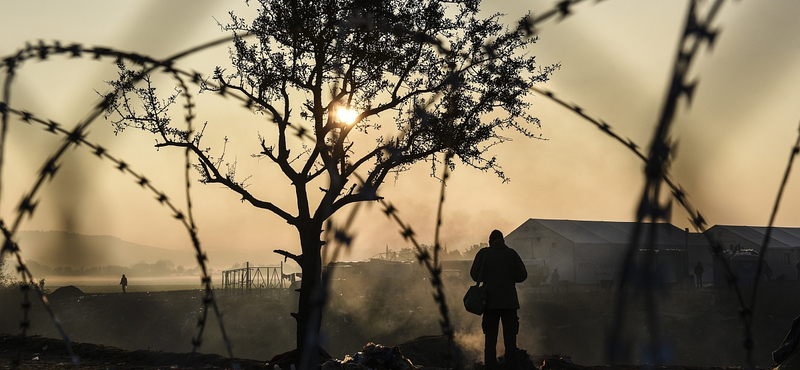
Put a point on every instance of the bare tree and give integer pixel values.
(448, 79)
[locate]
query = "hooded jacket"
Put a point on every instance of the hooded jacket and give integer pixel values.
(502, 269)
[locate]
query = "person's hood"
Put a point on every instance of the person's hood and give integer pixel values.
(498, 243)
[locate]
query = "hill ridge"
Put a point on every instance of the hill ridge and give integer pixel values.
(54, 248)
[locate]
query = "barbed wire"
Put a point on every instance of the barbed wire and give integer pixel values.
(208, 292)
(768, 232)
(76, 137)
(562, 9)
(42, 51)
(432, 263)
(657, 159)
(28, 282)
(28, 206)
(678, 193)
(697, 31)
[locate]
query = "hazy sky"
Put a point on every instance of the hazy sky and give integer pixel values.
(616, 57)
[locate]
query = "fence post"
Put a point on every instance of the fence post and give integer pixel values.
(252, 278)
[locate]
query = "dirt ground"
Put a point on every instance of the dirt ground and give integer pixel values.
(155, 330)
(37, 353)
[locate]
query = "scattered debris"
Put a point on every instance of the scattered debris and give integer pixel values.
(372, 356)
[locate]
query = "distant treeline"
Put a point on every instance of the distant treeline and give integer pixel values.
(410, 254)
(165, 267)
(157, 269)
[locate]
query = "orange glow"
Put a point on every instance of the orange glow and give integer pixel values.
(346, 115)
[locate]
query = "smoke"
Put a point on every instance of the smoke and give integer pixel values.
(471, 345)
(382, 302)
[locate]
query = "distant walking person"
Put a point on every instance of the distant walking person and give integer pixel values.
(123, 282)
(698, 274)
(500, 268)
(554, 277)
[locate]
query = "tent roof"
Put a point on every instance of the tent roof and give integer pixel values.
(599, 232)
(780, 237)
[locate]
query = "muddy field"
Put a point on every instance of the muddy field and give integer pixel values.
(700, 328)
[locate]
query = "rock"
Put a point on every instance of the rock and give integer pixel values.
(66, 292)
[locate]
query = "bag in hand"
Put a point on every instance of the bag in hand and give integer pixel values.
(475, 299)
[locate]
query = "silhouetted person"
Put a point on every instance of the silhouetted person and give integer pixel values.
(554, 277)
(698, 274)
(123, 282)
(500, 268)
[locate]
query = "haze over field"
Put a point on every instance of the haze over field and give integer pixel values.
(61, 249)
(616, 58)
(88, 260)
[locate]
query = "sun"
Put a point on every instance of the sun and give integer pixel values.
(346, 115)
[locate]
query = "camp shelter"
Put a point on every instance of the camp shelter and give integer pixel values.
(588, 252)
(783, 249)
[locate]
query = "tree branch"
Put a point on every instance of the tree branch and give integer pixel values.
(286, 254)
(215, 176)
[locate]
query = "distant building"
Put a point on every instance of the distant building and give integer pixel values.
(743, 243)
(588, 252)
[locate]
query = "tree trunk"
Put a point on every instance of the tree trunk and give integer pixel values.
(309, 311)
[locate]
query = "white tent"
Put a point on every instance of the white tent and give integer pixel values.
(588, 252)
